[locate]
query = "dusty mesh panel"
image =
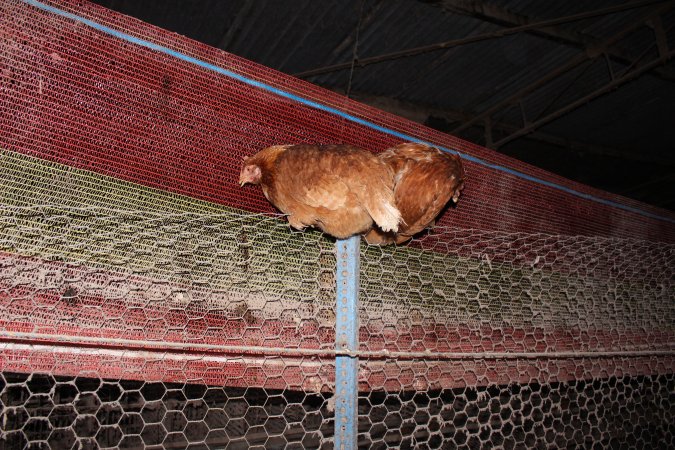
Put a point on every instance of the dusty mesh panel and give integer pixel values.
(141, 329)
(185, 278)
(473, 276)
(477, 292)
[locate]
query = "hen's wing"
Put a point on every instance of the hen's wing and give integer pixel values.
(335, 177)
(303, 188)
(372, 182)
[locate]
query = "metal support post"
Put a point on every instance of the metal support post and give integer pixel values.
(346, 338)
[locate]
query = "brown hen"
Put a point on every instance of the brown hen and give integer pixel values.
(425, 179)
(338, 188)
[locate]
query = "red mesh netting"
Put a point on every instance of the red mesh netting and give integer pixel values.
(86, 98)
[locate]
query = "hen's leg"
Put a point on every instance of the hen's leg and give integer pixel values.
(296, 223)
(401, 238)
(377, 237)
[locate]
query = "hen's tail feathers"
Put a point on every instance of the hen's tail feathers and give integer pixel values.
(384, 213)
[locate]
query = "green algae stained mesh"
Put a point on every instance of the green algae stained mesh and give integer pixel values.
(188, 241)
(183, 240)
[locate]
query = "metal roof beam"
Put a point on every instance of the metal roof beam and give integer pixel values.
(590, 53)
(613, 84)
(496, 14)
(368, 18)
(661, 36)
(419, 113)
(470, 39)
(233, 31)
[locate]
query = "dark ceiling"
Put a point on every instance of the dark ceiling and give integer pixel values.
(583, 89)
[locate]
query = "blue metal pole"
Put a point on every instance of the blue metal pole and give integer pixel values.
(346, 338)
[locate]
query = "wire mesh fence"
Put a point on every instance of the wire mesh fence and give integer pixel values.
(90, 412)
(614, 412)
(136, 329)
(540, 314)
(514, 340)
(125, 329)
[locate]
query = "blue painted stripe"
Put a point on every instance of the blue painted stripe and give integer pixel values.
(331, 110)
